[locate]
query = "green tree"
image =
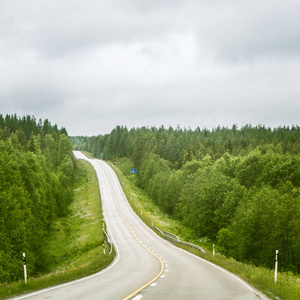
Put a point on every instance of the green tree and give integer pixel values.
(201, 198)
(64, 148)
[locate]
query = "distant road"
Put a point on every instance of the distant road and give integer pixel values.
(146, 266)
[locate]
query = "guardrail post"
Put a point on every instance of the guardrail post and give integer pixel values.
(25, 270)
(276, 265)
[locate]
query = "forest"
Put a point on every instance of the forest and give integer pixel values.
(238, 187)
(36, 175)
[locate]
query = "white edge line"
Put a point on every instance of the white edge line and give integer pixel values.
(257, 292)
(68, 283)
(81, 279)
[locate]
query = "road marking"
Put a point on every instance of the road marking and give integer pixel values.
(134, 235)
(84, 278)
(162, 276)
(151, 281)
(153, 284)
(253, 289)
(137, 297)
(258, 293)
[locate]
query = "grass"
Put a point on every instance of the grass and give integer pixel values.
(287, 286)
(75, 245)
(88, 154)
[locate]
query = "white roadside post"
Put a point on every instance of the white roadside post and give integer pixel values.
(276, 265)
(213, 250)
(25, 270)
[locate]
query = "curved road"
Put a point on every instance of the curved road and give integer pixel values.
(146, 266)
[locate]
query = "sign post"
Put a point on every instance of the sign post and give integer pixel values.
(25, 270)
(133, 171)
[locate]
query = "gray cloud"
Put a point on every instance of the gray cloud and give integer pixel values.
(243, 30)
(91, 65)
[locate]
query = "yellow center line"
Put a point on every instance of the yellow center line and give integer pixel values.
(135, 236)
(152, 280)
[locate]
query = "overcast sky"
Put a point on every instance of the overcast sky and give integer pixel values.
(91, 65)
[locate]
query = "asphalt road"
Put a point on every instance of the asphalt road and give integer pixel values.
(146, 266)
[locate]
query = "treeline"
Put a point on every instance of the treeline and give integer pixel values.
(36, 176)
(238, 187)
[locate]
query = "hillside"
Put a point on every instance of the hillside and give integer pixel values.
(36, 177)
(237, 187)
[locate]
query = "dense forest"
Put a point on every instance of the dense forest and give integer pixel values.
(239, 187)
(36, 176)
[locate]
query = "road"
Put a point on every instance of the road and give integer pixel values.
(146, 266)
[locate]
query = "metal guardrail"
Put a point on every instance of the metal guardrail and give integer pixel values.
(108, 239)
(159, 231)
(172, 236)
(175, 239)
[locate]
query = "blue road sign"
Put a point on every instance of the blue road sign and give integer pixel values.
(133, 171)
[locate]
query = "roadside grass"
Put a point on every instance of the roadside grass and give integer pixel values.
(143, 205)
(74, 248)
(88, 154)
(287, 286)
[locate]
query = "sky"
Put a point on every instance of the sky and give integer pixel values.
(91, 65)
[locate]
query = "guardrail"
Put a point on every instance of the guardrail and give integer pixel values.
(172, 236)
(175, 239)
(108, 239)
